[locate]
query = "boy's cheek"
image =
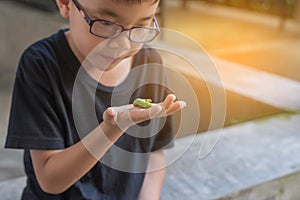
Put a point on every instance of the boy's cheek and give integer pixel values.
(92, 47)
(89, 45)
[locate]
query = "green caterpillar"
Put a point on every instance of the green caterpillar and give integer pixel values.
(142, 103)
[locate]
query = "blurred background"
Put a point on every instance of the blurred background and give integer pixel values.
(260, 35)
(255, 44)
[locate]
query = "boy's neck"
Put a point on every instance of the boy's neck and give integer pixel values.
(112, 77)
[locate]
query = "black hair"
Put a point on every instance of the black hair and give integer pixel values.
(136, 1)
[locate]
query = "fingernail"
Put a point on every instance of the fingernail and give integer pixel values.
(173, 97)
(182, 104)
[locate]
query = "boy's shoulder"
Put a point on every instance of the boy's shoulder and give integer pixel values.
(45, 58)
(46, 46)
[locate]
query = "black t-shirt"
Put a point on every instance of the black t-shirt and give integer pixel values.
(56, 103)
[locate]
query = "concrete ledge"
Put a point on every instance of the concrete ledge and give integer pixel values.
(254, 160)
(283, 188)
(12, 189)
(258, 159)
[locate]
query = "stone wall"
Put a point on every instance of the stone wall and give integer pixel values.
(20, 26)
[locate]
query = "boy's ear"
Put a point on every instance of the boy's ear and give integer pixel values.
(64, 7)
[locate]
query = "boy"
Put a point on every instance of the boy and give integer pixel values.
(68, 154)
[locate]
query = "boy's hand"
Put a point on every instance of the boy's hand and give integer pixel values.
(125, 116)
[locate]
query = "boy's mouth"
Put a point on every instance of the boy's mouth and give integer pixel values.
(108, 59)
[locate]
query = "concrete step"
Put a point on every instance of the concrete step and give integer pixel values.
(254, 160)
(283, 188)
(258, 159)
(11, 189)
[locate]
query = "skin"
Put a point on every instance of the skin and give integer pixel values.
(57, 170)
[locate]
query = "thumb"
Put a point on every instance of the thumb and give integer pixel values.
(111, 114)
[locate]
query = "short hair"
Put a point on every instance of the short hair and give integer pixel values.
(130, 2)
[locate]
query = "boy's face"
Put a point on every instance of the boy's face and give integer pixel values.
(84, 44)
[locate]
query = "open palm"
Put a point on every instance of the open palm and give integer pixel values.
(127, 115)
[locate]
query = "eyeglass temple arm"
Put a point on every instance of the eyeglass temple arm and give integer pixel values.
(156, 23)
(85, 16)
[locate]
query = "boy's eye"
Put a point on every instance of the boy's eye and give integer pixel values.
(143, 25)
(147, 24)
(106, 23)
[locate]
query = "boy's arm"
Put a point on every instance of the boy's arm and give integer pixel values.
(154, 178)
(57, 170)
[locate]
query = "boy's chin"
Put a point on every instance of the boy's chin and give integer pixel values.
(113, 64)
(107, 63)
(110, 66)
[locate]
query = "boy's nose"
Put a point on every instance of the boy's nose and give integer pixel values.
(121, 42)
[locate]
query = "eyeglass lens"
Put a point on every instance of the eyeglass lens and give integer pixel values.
(111, 30)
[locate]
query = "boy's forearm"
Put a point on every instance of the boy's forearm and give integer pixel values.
(62, 168)
(57, 170)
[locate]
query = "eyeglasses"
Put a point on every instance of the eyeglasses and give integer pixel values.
(109, 30)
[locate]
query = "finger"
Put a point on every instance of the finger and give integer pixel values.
(178, 105)
(168, 101)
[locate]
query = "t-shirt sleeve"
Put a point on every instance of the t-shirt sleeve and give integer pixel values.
(33, 121)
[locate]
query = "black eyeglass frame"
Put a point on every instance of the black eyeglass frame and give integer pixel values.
(90, 22)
